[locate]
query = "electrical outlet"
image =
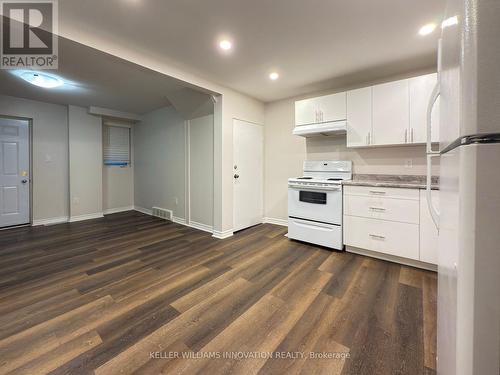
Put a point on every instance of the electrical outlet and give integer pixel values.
(409, 163)
(76, 201)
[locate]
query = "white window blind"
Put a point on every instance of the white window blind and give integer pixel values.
(116, 145)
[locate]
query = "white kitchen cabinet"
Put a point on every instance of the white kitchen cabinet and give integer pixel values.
(372, 191)
(306, 112)
(420, 93)
(321, 109)
(428, 231)
(391, 113)
(359, 117)
(387, 237)
(332, 107)
(400, 210)
(391, 221)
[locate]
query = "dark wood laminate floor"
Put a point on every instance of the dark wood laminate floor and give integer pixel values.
(134, 294)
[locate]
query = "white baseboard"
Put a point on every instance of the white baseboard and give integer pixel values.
(200, 226)
(143, 210)
(271, 220)
(96, 215)
(179, 220)
(51, 221)
(118, 209)
(392, 258)
(222, 235)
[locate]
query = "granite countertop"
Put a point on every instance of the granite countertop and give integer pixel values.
(394, 181)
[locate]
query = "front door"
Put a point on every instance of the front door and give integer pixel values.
(14, 172)
(248, 174)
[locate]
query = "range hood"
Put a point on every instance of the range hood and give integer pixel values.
(322, 129)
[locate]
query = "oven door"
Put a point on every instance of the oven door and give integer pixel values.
(323, 206)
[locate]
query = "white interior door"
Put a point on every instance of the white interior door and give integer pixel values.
(248, 174)
(14, 172)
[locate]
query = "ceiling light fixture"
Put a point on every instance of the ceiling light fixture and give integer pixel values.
(274, 76)
(427, 29)
(47, 81)
(449, 22)
(225, 45)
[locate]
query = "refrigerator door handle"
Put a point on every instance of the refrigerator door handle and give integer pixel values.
(433, 211)
(434, 96)
(430, 154)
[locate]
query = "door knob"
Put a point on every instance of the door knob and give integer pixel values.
(24, 181)
(236, 176)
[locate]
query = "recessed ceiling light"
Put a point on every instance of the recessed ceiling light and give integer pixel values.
(449, 22)
(47, 81)
(225, 45)
(274, 76)
(427, 29)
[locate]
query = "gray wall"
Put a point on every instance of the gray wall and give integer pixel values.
(160, 162)
(85, 162)
(50, 154)
(201, 160)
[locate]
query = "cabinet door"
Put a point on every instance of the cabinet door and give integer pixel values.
(388, 237)
(332, 107)
(428, 231)
(359, 117)
(391, 113)
(420, 93)
(306, 112)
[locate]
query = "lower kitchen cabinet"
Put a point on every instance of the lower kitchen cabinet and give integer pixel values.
(390, 221)
(388, 237)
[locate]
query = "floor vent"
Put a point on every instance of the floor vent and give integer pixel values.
(162, 213)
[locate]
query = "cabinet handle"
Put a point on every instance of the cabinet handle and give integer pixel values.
(406, 135)
(377, 236)
(377, 209)
(377, 192)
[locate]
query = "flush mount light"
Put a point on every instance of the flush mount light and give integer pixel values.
(449, 22)
(225, 45)
(47, 81)
(274, 76)
(427, 29)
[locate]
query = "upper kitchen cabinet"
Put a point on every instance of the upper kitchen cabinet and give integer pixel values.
(420, 93)
(328, 108)
(391, 109)
(359, 117)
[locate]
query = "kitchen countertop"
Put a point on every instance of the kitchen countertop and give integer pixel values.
(392, 181)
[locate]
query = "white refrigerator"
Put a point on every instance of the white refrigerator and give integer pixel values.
(469, 214)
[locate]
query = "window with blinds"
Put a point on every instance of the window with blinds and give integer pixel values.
(116, 140)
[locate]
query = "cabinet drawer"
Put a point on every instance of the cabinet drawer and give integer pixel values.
(388, 237)
(382, 192)
(375, 207)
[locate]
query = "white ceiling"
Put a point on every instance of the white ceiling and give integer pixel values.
(94, 78)
(307, 41)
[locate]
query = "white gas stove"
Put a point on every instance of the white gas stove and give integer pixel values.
(315, 203)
